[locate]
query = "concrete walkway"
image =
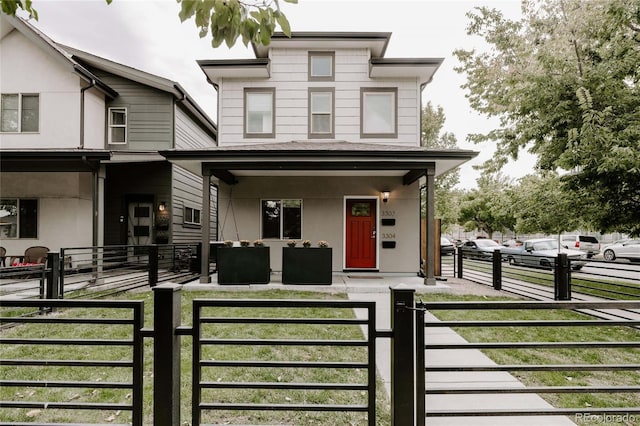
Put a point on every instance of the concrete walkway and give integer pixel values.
(377, 288)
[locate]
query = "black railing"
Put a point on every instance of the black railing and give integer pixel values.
(31, 387)
(617, 351)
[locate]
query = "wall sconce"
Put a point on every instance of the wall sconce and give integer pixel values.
(162, 206)
(385, 196)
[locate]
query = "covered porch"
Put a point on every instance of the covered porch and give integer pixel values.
(332, 181)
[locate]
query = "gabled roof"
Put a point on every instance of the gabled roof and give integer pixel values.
(8, 22)
(145, 78)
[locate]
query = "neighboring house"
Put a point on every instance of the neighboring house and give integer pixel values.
(79, 142)
(313, 135)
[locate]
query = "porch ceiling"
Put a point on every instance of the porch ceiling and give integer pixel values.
(313, 158)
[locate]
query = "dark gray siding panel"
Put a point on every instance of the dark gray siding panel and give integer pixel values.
(150, 114)
(187, 191)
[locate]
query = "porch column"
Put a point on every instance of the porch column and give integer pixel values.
(429, 273)
(205, 278)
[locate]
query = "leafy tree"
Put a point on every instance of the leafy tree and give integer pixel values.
(489, 207)
(253, 20)
(446, 196)
(564, 82)
(543, 205)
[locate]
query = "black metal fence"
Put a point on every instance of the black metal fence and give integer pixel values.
(98, 272)
(607, 366)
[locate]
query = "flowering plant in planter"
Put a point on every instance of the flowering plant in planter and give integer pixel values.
(258, 243)
(292, 243)
(323, 244)
(245, 243)
(306, 243)
(228, 243)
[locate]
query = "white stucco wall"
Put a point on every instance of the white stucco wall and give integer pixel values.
(64, 208)
(55, 82)
(323, 214)
(289, 77)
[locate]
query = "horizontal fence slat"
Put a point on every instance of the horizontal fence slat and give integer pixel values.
(534, 390)
(285, 342)
(61, 384)
(283, 386)
(282, 407)
(65, 363)
(284, 364)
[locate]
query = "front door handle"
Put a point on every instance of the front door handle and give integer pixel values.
(373, 233)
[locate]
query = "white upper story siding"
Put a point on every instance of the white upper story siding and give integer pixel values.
(289, 77)
(26, 68)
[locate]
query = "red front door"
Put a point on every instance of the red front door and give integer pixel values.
(361, 234)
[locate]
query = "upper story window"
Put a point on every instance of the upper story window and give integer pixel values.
(19, 218)
(20, 112)
(118, 125)
(259, 117)
(192, 216)
(321, 66)
(321, 112)
(378, 112)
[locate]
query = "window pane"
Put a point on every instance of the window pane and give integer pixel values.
(30, 113)
(292, 219)
(321, 123)
(196, 216)
(361, 210)
(378, 113)
(321, 66)
(321, 102)
(118, 135)
(9, 113)
(8, 218)
(270, 219)
(118, 117)
(188, 214)
(28, 219)
(259, 114)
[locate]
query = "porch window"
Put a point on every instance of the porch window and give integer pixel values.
(117, 126)
(281, 219)
(259, 117)
(18, 218)
(19, 113)
(192, 216)
(321, 66)
(321, 112)
(378, 112)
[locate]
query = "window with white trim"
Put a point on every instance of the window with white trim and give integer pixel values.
(18, 218)
(192, 216)
(321, 112)
(321, 66)
(117, 126)
(259, 117)
(19, 113)
(281, 219)
(378, 112)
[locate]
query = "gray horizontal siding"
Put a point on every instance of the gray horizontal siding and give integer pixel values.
(187, 190)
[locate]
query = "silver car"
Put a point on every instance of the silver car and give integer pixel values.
(624, 249)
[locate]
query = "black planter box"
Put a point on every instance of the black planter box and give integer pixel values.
(310, 265)
(243, 265)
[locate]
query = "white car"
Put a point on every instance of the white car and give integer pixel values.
(625, 249)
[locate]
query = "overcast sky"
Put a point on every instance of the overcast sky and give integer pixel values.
(148, 35)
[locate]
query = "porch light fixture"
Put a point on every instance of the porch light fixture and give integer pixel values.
(162, 206)
(385, 196)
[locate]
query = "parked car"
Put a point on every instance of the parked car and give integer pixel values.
(542, 252)
(512, 243)
(480, 249)
(446, 247)
(623, 249)
(585, 243)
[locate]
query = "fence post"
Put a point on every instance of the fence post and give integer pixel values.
(52, 275)
(562, 277)
(153, 265)
(402, 357)
(166, 354)
(497, 270)
(459, 258)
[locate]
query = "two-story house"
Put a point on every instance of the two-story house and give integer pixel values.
(319, 139)
(79, 142)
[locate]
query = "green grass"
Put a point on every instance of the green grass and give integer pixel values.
(211, 374)
(596, 356)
